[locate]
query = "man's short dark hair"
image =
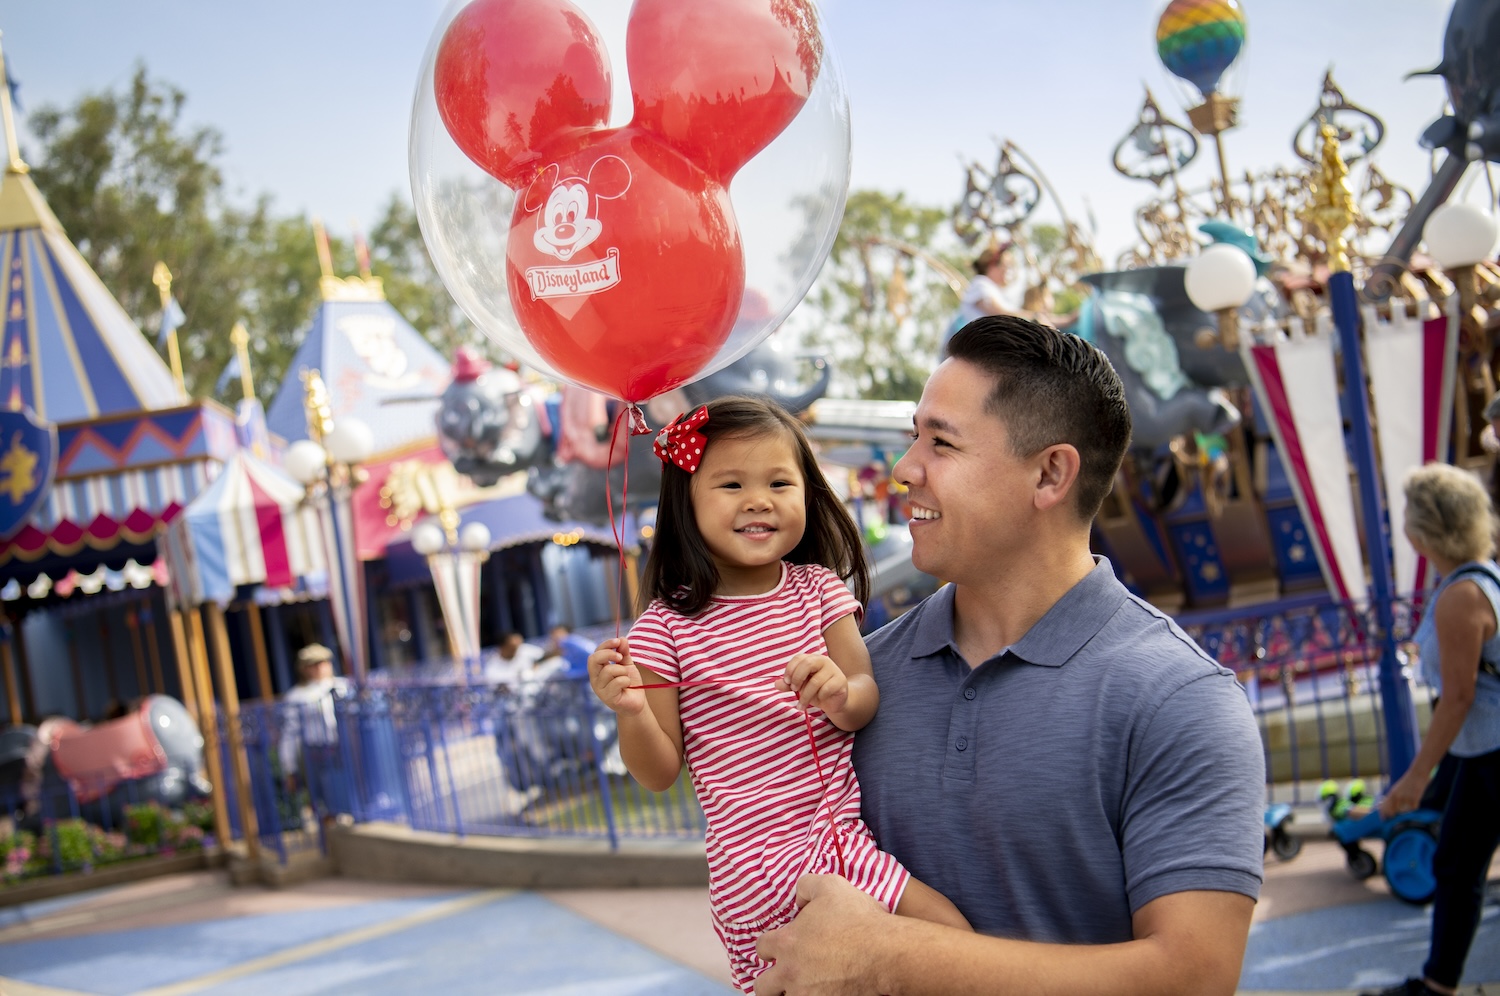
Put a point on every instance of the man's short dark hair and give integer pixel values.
(1051, 387)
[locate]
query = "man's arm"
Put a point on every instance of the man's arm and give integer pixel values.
(843, 943)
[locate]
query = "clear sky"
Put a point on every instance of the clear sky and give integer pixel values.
(313, 96)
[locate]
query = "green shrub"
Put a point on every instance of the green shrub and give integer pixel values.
(144, 823)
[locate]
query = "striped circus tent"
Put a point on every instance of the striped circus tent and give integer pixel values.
(250, 527)
(69, 352)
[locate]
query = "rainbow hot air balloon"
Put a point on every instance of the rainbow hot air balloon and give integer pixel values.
(1199, 39)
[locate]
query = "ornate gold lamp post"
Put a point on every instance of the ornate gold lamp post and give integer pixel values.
(327, 464)
(1329, 214)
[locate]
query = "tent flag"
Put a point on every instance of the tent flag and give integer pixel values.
(1296, 383)
(1414, 414)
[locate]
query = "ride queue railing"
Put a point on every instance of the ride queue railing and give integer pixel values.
(1311, 671)
(440, 751)
(450, 755)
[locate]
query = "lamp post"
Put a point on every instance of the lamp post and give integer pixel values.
(1329, 214)
(454, 556)
(328, 466)
(1221, 279)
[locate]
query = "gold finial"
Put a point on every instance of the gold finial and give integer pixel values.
(320, 239)
(162, 278)
(319, 407)
(1331, 206)
(13, 163)
(240, 336)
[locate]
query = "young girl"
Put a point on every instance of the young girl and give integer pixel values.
(750, 614)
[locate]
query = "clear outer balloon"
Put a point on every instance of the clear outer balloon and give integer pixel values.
(1199, 39)
(635, 253)
(1220, 277)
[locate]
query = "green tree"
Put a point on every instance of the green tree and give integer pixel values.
(133, 183)
(885, 296)
(400, 258)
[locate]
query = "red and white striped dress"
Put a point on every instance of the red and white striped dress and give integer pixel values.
(751, 761)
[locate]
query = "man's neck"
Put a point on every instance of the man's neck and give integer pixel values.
(994, 614)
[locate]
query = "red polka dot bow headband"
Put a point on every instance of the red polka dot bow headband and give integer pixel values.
(680, 442)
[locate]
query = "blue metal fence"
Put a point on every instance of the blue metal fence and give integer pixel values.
(1311, 671)
(437, 750)
(446, 754)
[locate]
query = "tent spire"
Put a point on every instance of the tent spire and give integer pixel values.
(241, 339)
(13, 163)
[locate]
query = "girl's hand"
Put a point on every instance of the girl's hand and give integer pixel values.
(817, 681)
(611, 675)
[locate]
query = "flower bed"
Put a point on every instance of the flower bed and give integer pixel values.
(64, 846)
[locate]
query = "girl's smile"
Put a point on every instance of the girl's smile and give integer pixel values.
(750, 504)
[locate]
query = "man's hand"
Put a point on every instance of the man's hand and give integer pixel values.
(817, 680)
(823, 952)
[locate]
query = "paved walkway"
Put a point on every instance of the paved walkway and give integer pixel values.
(1316, 930)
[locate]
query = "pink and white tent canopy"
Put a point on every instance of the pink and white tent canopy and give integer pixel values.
(250, 527)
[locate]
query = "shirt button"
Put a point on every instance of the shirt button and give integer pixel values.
(962, 744)
(969, 693)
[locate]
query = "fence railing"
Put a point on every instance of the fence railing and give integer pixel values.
(439, 750)
(1312, 675)
(464, 758)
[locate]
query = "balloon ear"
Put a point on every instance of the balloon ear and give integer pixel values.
(512, 76)
(536, 193)
(609, 177)
(718, 80)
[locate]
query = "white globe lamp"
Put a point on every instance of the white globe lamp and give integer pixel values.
(474, 538)
(1221, 279)
(350, 441)
(1459, 235)
(427, 539)
(306, 462)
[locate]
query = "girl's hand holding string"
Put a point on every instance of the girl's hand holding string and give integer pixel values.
(612, 675)
(818, 681)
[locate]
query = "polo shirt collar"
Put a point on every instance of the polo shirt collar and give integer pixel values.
(1073, 621)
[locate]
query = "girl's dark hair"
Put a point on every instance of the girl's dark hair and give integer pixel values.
(680, 570)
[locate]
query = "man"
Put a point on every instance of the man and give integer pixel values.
(312, 725)
(1051, 753)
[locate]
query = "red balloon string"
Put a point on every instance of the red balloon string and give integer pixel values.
(638, 427)
(812, 740)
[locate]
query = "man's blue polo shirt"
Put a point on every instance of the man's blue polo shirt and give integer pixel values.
(1101, 762)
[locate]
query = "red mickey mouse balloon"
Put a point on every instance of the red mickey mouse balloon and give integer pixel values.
(623, 258)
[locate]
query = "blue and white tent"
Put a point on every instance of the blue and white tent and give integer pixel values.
(377, 369)
(68, 351)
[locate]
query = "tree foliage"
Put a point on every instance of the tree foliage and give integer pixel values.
(132, 182)
(882, 307)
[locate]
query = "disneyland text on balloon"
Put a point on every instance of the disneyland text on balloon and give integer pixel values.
(581, 278)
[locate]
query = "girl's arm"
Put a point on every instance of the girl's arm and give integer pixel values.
(841, 683)
(1465, 620)
(649, 727)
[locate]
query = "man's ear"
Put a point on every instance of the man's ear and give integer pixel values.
(1057, 471)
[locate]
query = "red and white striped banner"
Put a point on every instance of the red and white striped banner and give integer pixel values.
(1296, 382)
(1414, 414)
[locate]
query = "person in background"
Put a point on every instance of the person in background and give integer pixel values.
(1449, 520)
(310, 734)
(992, 291)
(514, 661)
